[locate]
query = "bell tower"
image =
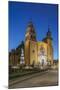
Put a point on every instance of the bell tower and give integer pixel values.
(30, 35)
(48, 39)
(49, 47)
(30, 32)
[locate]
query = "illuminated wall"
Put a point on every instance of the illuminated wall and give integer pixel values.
(33, 53)
(42, 53)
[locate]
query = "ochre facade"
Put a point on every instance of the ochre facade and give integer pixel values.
(35, 52)
(38, 52)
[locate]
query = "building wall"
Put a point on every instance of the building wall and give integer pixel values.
(10, 59)
(50, 51)
(33, 53)
(13, 59)
(50, 54)
(42, 53)
(27, 52)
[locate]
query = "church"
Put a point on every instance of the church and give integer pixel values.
(37, 52)
(33, 52)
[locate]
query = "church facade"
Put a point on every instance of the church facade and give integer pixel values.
(38, 52)
(33, 52)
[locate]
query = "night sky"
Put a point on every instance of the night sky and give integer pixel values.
(42, 16)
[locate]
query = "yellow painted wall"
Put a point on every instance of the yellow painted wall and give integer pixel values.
(50, 51)
(33, 52)
(50, 54)
(27, 52)
(44, 45)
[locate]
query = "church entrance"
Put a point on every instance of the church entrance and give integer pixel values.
(43, 60)
(42, 57)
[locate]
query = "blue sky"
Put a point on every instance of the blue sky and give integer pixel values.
(42, 16)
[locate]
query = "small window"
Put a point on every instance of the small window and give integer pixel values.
(33, 51)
